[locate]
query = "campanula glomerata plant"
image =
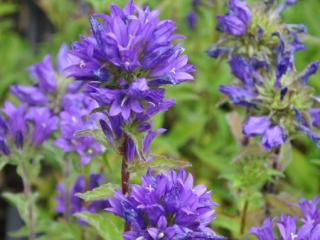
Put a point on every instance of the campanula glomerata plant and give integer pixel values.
(104, 135)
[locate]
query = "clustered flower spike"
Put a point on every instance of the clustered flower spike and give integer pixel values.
(21, 126)
(125, 61)
(248, 31)
(67, 202)
(279, 101)
(166, 206)
(292, 227)
(53, 98)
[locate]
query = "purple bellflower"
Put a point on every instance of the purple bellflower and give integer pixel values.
(18, 123)
(237, 19)
(166, 206)
(76, 117)
(68, 203)
(48, 96)
(124, 62)
(290, 227)
(45, 88)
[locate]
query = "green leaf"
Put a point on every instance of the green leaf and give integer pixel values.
(100, 193)
(97, 134)
(7, 8)
(160, 163)
(285, 156)
(61, 230)
(21, 203)
(107, 226)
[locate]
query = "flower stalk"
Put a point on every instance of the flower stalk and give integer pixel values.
(244, 217)
(29, 199)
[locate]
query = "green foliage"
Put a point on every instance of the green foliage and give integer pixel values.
(21, 203)
(107, 226)
(100, 193)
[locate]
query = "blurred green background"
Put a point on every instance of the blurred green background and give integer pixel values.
(198, 129)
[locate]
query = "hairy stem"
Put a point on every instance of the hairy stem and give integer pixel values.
(28, 197)
(271, 186)
(244, 217)
(67, 199)
(125, 175)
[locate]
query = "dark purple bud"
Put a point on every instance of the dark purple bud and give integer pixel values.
(4, 147)
(191, 20)
(241, 69)
(3, 127)
(238, 95)
(96, 29)
(130, 150)
(216, 51)
(231, 25)
(309, 71)
(18, 140)
(283, 6)
(283, 93)
(107, 132)
(149, 138)
(315, 117)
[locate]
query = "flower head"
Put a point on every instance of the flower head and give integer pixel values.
(18, 123)
(124, 62)
(290, 227)
(237, 20)
(166, 206)
(249, 31)
(76, 117)
(46, 87)
(279, 100)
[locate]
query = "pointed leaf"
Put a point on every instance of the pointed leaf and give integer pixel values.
(100, 193)
(159, 163)
(106, 225)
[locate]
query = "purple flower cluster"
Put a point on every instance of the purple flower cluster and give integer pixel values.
(125, 61)
(237, 20)
(68, 203)
(293, 228)
(249, 31)
(166, 206)
(53, 98)
(74, 118)
(24, 126)
(279, 100)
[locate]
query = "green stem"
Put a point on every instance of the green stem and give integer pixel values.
(125, 174)
(66, 174)
(29, 199)
(244, 217)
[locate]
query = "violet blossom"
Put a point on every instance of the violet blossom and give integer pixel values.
(279, 100)
(292, 227)
(125, 61)
(249, 31)
(18, 123)
(166, 206)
